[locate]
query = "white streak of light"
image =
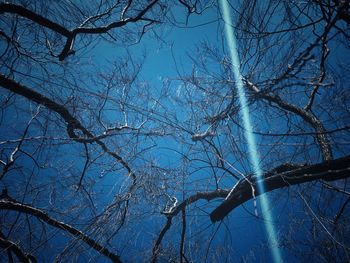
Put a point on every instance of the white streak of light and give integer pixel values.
(253, 153)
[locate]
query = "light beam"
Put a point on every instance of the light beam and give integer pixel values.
(253, 153)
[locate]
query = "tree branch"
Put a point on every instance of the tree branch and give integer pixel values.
(307, 116)
(8, 245)
(71, 34)
(101, 30)
(329, 171)
(72, 123)
(194, 198)
(24, 12)
(23, 208)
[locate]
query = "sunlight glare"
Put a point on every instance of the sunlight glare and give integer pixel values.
(253, 153)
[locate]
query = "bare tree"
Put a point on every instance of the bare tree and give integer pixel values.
(98, 163)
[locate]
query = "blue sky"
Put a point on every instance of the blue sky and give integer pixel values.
(162, 60)
(186, 166)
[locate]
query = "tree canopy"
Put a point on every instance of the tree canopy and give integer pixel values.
(121, 137)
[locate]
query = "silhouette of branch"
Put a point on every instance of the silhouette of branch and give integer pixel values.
(72, 123)
(27, 209)
(71, 34)
(328, 171)
(8, 245)
(194, 198)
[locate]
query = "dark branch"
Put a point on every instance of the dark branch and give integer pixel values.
(10, 246)
(72, 123)
(71, 34)
(328, 171)
(307, 116)
(102, 30)
(194, 198)
(23, 208)
(24, 12)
